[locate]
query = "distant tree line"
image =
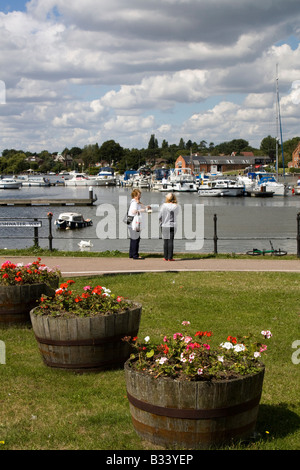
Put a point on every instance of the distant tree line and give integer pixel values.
(113, 154)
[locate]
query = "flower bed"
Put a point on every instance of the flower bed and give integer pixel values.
(189, 356)
(32, 273)
(92, 301)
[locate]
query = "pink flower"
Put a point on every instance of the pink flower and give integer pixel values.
(177, 335)
(187, 339)
(186, 323)
(165, 339)
(86, 287)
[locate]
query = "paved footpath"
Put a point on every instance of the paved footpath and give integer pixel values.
(87, 266)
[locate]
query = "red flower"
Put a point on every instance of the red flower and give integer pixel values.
(232, 339)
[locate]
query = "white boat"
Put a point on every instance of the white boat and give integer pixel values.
(180, 179)
(140, 181)
(81, 179)
(247, 182)
(296, 188)
(29, 181)
(72, 220)
(269, 181)
(9, 183)
(105, 177)
(221, 187)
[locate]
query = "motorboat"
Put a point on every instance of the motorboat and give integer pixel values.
(142, 179)
(29, 181)
(269, 181)
(72, 220)
(81, 179)
(247, 182)
(180, 179)
(105, 177)
(221, 187)
(159, 179)
(296, 188)
(10, 183)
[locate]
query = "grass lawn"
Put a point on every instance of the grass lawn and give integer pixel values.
(42, 408)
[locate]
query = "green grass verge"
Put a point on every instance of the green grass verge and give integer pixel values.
(42, 252)
(47, 409)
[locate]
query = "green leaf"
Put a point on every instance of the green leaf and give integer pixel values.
(150, 353)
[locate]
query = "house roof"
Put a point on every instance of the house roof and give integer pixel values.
(223, 160)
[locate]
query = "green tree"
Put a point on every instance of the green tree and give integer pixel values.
(153, 143)
(111, 152)
(268, 146)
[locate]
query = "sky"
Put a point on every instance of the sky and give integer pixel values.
(84, 72)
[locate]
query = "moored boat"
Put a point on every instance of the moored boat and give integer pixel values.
(81, 179)
(221, 187)
(105, 177)
(269, 181)
(72, 220)
(35, 181)
(10, 183)
(181, 180)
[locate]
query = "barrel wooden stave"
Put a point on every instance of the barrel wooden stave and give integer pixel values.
(86, 343)
(16, 301)
(192, 414)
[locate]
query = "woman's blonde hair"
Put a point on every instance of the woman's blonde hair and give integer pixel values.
(135, 193)
(170, 197)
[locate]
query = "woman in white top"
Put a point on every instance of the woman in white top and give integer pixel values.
(167, 220)
(135, 208)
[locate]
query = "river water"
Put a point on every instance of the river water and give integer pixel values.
(242, 222)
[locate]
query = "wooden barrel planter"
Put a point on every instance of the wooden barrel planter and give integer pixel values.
(192, 415)
(17, 301)
(86, 344)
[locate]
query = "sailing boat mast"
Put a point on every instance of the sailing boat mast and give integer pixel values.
(279, 127)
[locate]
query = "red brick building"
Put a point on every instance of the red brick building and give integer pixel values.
(295, 163)
(221, 163)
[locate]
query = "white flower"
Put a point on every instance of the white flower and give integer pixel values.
(266, 333)
(221, 358)
(147, 339)
(106, 292)
(191, 357)
(200, 371)
(239, 347)
(256, 354)
(227, 345)
(162, 360)
(182, 358)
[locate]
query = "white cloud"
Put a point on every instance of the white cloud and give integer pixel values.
(75, 70)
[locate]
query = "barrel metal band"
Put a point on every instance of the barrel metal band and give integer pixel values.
(84, 342)
(193, 413)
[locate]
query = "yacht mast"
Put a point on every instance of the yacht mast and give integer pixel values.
(279, 127)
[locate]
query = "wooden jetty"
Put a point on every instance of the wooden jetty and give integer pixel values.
(50, 202)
